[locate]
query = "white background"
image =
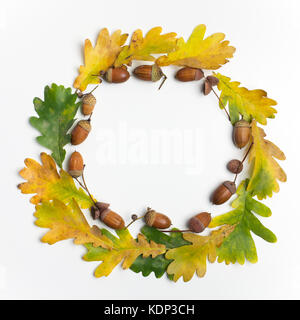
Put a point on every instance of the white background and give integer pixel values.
(41, 43)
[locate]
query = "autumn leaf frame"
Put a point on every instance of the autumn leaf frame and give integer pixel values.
(59, 201)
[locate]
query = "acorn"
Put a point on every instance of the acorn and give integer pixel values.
(116, 75)
(235, 166)
(223, 192)
(199, 222)
(241, 133)
(189, 74)
(149, 73)
(80, 131)
(88, 104)
(112, 219)
(76, 165)
(156, 219)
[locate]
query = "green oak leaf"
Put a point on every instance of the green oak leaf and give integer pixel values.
(124, 248)
(240, 244)
(159, 264)
(56, 116)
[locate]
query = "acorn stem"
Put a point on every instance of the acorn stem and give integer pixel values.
(93, 89)
(243, 161)
(133, 220)
(163, 81)
(82, 186)
(79, 93)
(221, 103)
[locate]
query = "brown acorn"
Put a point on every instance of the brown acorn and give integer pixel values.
(199, 222)
(80, 131)
(149, 73)
(76, 165)
(88, 104)
(223, 192)
(112, 219)
(241, 133)
(235, 166)
(156, 219)
(189, 74)
(116, 75)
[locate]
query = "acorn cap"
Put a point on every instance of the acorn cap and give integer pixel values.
(242, 123)
(213, 80)
(95, 212)
(102, 205)
(230, 186)
(85, 124)
(206, 87)
(150, 217)
(235, 166)
(156, 73)
(89, 99)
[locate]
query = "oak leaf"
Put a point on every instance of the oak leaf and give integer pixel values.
(209, 53)
(191, 258)
(68, 222)
(125, 248)
(47, 184)
(239, 245)
(56, 117)
(142, 48)
(265, 169)
(249, 103)
(159, 264)
(99, 58)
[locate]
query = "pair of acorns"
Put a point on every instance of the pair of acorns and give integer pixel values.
(158, 220)
(83, 127)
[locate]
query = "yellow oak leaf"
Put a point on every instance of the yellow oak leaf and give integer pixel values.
(191, 258)
(45, 181)
(209, 53)
(99, 58)
(125, 249)
(249, 103)
(142, 48)
(265, 169)
(68, 222)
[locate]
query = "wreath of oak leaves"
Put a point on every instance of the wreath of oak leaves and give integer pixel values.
(58, 201)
